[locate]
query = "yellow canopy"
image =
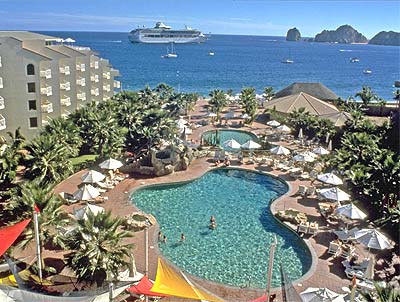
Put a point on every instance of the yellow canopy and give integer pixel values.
(171, 283)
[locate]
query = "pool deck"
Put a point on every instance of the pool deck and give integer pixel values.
(325, 271)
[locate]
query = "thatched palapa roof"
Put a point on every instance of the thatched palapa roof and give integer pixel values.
(318, 90)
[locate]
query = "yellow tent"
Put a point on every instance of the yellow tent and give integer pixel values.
(171, 283)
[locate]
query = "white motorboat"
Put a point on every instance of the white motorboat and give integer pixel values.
(170, 55)
(367, 71)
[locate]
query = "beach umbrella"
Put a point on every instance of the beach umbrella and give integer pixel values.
(350, 211)
(313, 294)
(303, 158)
(250, 145)
(320, 151)
(283, 128)
(300, 133)
(330, 178)
(82, 212)
(111, 164)
(273, 123)
(231, 144)
(334, 194)
(373, 239)
(244, 116)
(279, 150)
(230, 115)
(92, 176)
(86, 192)
(211, 114)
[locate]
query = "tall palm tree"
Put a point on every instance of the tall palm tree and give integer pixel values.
(98, 251)
(218, 101)
(269, 93)
(249, 102)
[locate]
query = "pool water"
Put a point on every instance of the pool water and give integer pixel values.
(218, 137)
(237, 251)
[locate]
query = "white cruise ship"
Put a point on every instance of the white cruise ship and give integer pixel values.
(162, 33)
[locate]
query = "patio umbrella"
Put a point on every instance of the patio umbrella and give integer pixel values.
(303, 158)
(334, 194)
(300, 133)
(82, 212)
(309, 153)
(351, 211)
(313, 294)
(231, 144)
(320, 151)
(87, 192)
(273, 123)
(284, 128)
(244, 116)
(111, 164)
(279, 150)
(373, 239)
(330, 178)
(250, 144)
(92, 176)
(211, 114)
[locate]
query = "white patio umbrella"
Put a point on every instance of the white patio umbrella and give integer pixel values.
(373, 239)
(231, 144)
(279, 150)
(351, 211)
(273, 123)
(211, 114)
(320, 151)
(330, 178)
(334, 194)
(82, 212)
(284, 128)
(92, 176)
(86, 192)
(313, 294)
(244, 116)
(303, 158)
(111, 164)
(250, 144)
(300, 133)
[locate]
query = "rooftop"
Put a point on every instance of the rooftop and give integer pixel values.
(318, 90)
(27, 35)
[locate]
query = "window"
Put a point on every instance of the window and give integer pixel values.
(30, 69)
(32, 105)
(31, 87)
(33, 122)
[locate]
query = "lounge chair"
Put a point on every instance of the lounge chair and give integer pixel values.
(334, 249)
(222, 155)
(310, 191)
(302, 190)
(303, 228)
(69, 198)
(351, 272)
(313, 228)
(347, 251)
(216, 155)
(103, 185)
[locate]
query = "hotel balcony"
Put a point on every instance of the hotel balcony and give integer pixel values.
(47, 91)
(81, 67)
(94, 64)
(65, 86)
(107, 88)
(45, 73)
(65, 70)
(2, 122)
(81, 82)
(95, 92)
(117, 84)
(1, 82)
(106, 75)
(46, 107)
(94, 78)
(65, 114)
(65, 101)
(2, 103)
(81, 96)
(1, 64)
(115, 72)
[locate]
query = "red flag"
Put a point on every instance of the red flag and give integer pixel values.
(37, 210)
(10, 233)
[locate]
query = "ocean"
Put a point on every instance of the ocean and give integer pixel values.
(246, 61)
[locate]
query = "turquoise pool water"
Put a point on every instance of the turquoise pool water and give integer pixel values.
(237, 252)
(223, 135)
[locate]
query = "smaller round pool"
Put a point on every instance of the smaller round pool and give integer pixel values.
(217, 137)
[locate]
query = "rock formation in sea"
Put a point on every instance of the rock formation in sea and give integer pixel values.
(386, 38)
(343, 34)
(293, 34)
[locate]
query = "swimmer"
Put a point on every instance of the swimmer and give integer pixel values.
(160, 236)
(183, 237)
(164, 239)
(212, 219)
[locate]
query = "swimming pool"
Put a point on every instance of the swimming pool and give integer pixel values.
(223, 135)
(237, 252)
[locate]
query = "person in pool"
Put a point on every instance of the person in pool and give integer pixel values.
(213, 225)
(183, 238)
(164, 239)
(160, 237)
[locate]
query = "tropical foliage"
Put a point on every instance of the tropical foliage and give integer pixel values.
(249, 103)
(217, 101)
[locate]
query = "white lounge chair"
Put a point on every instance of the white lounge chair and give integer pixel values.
(313, 228)
(69, 198)
(302, 190)
(303, 228)
(334, 249)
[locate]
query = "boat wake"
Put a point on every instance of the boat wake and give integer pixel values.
(345, 50)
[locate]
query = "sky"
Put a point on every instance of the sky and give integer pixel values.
(246, 17)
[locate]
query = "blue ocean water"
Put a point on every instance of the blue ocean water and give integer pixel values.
(246, 61)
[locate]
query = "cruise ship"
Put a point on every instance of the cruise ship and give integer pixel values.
(162, 33)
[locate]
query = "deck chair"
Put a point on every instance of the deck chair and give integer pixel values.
(302, 190)
(313, 228)
(222, 155)
(334, 249)
(303, 228)
(348, 252)
(216, 155)
(310, 191)
(69, 198)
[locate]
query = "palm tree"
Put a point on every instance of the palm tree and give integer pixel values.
(217, 102)
(98, 252)
(381, 102)
(366, 95)
(269, 93)
(249, 102)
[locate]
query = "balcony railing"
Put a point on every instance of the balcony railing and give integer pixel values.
(2, 103)
(94, 78)
(65, 70)
(46, 107)
(2, 122)
(81, 82)
(115, 72)
(95, 92)
(81, 67)
(47, 91)
(65, 86)
(117, 84)
(66, 101)
(94, 64)
(107, 75)
(1, 64)
(1, 82)
(45, 73)
(81, 96)
(107, 88)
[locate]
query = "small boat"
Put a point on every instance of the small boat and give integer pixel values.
(171, 54)
(367, 71)
(288, 61)
(354, 60)
(211, 53)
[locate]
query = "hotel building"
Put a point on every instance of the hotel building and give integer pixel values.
(43, 78)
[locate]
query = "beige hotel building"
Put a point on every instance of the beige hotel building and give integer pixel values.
(43, 77)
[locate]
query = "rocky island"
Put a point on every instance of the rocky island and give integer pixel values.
(293, 34)
(343, 34)
(386, 38)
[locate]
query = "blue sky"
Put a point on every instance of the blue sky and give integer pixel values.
(253, 17)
